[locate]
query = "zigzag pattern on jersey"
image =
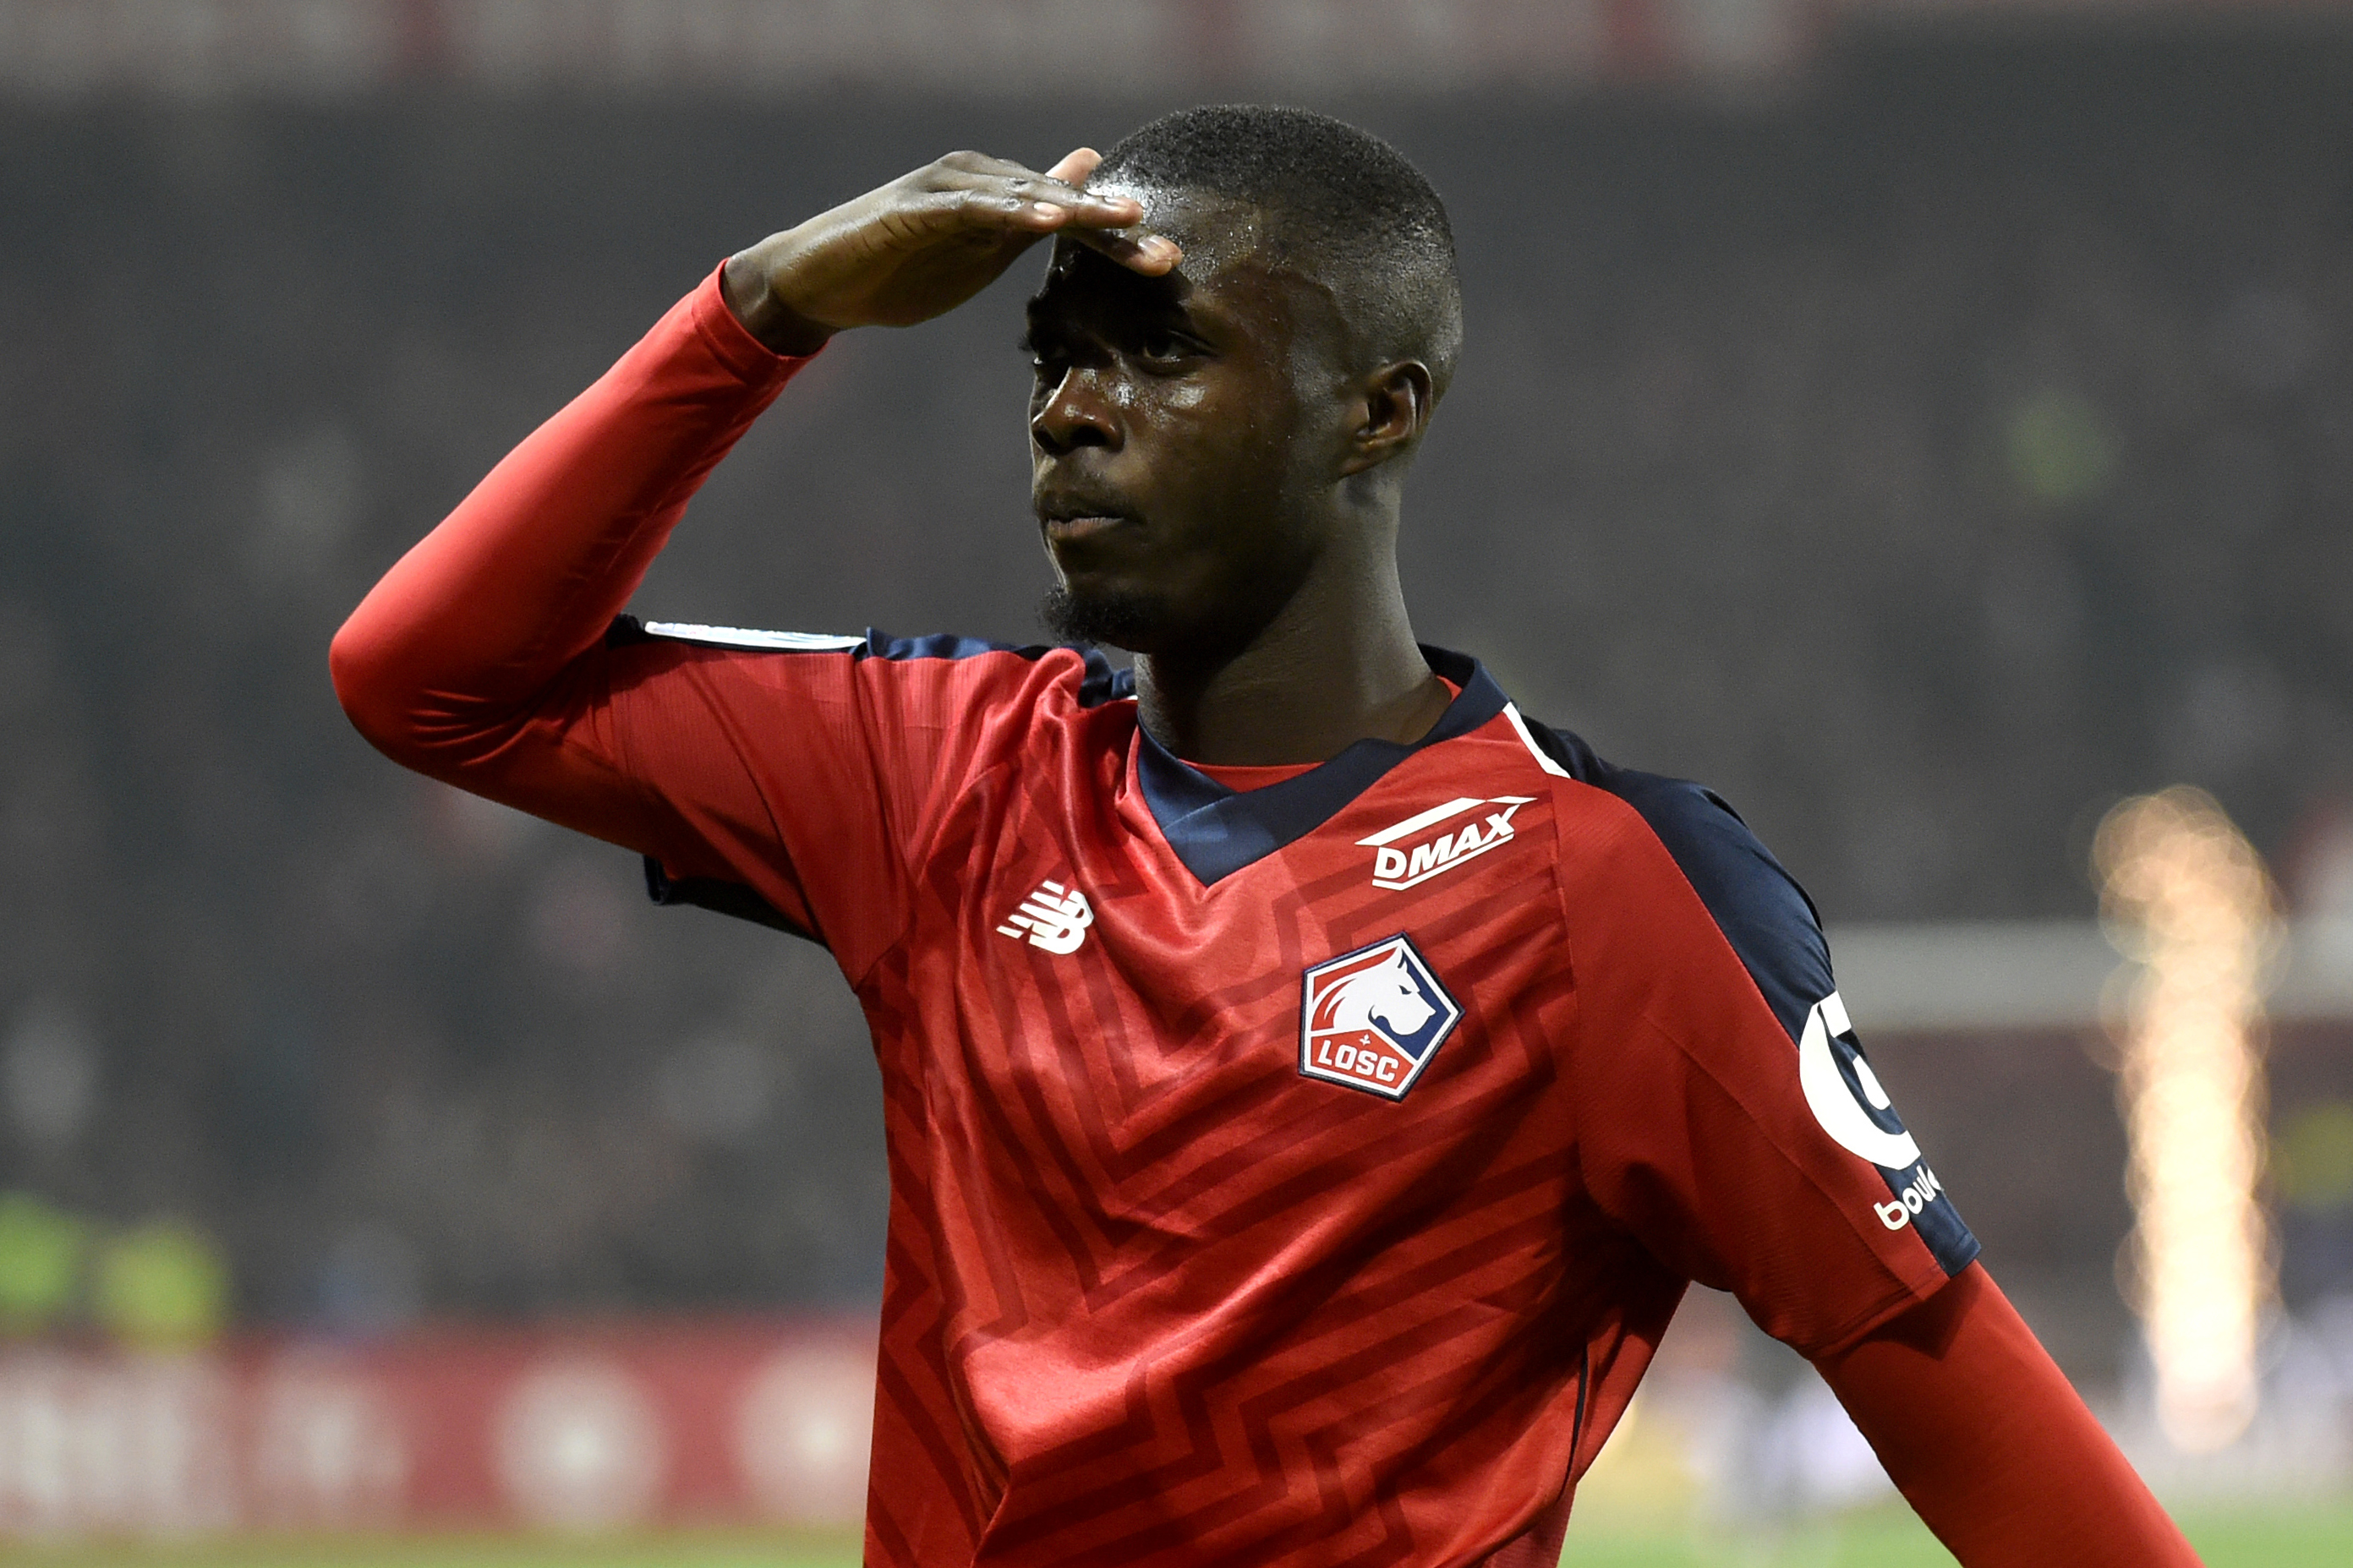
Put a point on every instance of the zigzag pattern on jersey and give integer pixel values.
(1137, 1177)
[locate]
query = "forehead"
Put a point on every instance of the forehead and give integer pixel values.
(1216, 231)
(1225, 270)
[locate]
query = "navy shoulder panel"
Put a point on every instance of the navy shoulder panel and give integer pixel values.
(1776, 931)
(1758, 906)
(879, 644)
(1099, 685)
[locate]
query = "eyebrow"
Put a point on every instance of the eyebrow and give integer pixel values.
(1041, 321)
(1036, 328)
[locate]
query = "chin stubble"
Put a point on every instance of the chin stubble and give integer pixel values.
(1118, 620)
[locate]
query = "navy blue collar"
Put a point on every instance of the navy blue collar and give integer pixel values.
(1216, 830)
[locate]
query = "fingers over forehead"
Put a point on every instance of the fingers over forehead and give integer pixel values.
(1094, 269)
(1137, 249)
(1104, 221)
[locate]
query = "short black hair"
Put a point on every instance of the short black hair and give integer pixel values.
(1349, 210)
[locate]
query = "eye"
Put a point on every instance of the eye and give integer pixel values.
(1166, 346)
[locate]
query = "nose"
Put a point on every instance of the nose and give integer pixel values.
(1075, 412)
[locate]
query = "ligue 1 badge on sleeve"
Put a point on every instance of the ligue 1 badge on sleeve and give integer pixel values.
(1372, 1020)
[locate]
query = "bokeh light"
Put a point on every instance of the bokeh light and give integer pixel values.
(2192, 902)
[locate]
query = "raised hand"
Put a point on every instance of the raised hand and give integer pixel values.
(925, 244)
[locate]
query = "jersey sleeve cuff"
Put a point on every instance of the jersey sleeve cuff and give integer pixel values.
(732, 343)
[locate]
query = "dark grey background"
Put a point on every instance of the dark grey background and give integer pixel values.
(1924, 460)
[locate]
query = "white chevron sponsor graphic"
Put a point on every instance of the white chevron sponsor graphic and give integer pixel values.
(1399, 864)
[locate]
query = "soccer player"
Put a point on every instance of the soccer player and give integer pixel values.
(1310, 1082)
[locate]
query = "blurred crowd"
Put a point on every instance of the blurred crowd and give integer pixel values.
(1924, 460)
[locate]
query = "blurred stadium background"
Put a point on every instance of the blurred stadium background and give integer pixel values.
(1932, 424)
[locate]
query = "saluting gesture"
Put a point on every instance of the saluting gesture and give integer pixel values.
(925, 244)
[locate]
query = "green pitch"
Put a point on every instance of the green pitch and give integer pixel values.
(2297, 1536)
(2301, 1535)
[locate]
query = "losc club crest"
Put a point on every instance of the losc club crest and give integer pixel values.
(1373, 1018)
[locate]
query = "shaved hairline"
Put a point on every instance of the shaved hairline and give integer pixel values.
(1363, 293)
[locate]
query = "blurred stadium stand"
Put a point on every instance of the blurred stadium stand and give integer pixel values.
(314, 48)
(1925, 430)
(584, 1428)
(329, 50)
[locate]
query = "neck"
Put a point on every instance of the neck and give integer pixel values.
(1338, 664)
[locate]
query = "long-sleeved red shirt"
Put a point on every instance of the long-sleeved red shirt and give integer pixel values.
(1300, 1175)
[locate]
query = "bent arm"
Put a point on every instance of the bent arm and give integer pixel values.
(466, 661)
(470, 661)
(1991, 1447)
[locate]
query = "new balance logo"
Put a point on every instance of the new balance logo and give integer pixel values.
(1412, 852)
(1056, 918)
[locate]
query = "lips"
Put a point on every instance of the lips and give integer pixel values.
(1067, 518)
(1071, 530)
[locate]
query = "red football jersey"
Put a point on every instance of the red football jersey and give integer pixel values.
(1295, 1175)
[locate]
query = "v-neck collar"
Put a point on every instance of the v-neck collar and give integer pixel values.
(1217, 831)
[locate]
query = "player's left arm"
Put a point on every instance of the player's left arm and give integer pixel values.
(1749, 1146)
(1989, 1442)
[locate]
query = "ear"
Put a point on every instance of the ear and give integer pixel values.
(1394, 412)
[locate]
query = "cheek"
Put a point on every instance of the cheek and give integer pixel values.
(1189, 429)
(1243, 422)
